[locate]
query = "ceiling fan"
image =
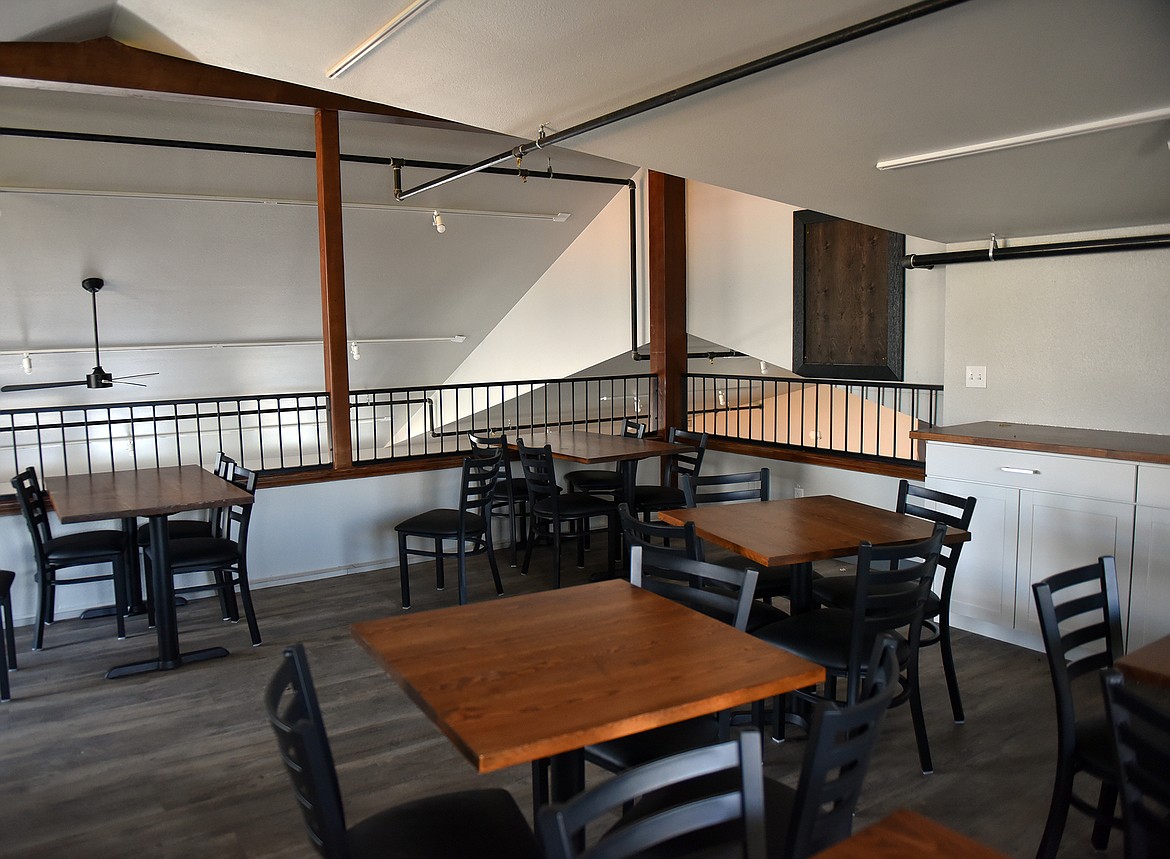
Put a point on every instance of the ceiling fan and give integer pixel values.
(98, 378)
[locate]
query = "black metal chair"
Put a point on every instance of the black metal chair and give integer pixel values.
(511, 493)
(8, 639)
(54, 554)
(817, 812)
(548, 505)
(892, 587)
(1080, 619)
(224, 555)
(483, 823)
(723, 797)
(956, 512)
(599, 481)
(469, 523)
(650, 498)
(1141, 733)
(743, 486)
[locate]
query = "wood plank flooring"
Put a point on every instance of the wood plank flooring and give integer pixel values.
(183, 763)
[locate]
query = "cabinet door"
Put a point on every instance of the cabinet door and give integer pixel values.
(1060, 532)
(985, 579)
(1149, 612)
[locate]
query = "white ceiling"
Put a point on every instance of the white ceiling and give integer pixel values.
(807, 133)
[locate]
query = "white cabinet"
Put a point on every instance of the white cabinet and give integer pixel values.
(1149, 616)
(1037, 514)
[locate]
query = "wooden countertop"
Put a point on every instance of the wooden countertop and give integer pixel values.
(1103, 444)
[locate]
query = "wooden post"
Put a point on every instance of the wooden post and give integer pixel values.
(336, 353)
(667, 256)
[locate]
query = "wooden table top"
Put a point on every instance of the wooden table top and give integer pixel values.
(1105, 444)
(1149, 664)
(800, 530)
(907, 833)
(595, 447)
(527, 677)
(145, 492)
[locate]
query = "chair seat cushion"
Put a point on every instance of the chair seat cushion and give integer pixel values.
(838, 591)
(440, 522)
(482, 823)
(575, 505)
(178, 529)
(518, 485)
(658, 498)
(202, 553)
(7, 577)
(85, 544)
(636, 749)
(595, 481)
(821, 636)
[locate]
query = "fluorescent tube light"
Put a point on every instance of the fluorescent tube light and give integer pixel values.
(357, 54)
(1062, 133)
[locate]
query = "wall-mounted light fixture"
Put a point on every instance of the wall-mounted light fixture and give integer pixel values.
(378, 37)
(26, 363)
(353, 351)
(437, 222)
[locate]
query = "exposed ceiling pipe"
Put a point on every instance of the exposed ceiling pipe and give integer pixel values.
(997, 254)
(771, 61)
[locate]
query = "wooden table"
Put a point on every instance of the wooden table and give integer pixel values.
(155, 493)
(797, 531)
(546, 674)
(1149, 664)
(594, 448)
(907, 833)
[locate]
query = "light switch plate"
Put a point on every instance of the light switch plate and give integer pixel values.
(976, 377)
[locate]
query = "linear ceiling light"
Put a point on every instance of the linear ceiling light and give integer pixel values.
(357, 54)
(557, 217)
(1062, 133)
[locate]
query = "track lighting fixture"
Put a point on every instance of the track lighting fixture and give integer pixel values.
(353, 351)
(437, 220)
(26, 362)
(358, 53)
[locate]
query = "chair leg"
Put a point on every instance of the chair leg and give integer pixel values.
(44, 592)
(529, 543)
(491, 553)
(227, 596)
(148, 579)
(513, 536)
(6, 652)
(919, 719)
(582, 528)
(556, 538)
(440, 580)
(1106, 805)
(613, 539)
(120, 600)
(948, 661)
(1057, 811)
(540, 796)
(246, 598)
(403, 576)
(461, 564)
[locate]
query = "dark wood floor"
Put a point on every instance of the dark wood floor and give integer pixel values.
(183, 764)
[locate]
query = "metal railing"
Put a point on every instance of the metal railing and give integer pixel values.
(411, 423)
(272, 432)
(863, 420)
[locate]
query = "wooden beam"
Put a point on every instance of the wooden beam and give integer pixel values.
(329, 224)
(667, 257)
(106, 62)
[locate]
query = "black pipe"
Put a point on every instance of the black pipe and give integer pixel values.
(243, 149)
(994, 254)
(633, 271)
(805, 49)
(710, 356)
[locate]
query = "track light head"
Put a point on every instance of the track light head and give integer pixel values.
(353, 351)
(26, 363)
(437, 221)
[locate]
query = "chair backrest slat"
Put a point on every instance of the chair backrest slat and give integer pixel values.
(721, 488)
(35, 508)
(540, 474)
(724, 593)
(685, 463)
(480, 475)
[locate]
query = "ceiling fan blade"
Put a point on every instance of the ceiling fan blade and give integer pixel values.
(133, 376)
(135, 384)
(37, 386)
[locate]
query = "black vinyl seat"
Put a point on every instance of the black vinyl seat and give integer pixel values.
(721, 790)
(892, 585)
(8, 639)
(548, 505)
(510, 496)
(954, 511)
(1080, 620)
(651, 498)
(818, 812)
(224, 555)
(600, 481)
(1141, 734)
(469, 523)
(482, 823)
(54, 554)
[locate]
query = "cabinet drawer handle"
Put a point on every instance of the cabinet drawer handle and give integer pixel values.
(1011, 470)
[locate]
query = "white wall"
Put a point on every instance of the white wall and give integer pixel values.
(1069, 341)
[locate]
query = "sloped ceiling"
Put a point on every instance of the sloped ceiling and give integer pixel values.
(808, 133)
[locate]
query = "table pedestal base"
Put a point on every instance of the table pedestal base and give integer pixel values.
(148, 665)
(133, 611)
